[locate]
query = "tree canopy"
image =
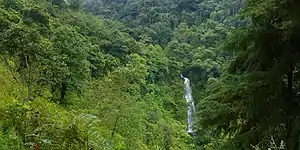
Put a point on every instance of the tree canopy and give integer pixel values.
(105, 74)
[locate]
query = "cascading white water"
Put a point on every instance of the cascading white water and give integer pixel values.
(191, 105)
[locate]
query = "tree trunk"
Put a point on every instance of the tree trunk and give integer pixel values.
(37, 146)
(115, 127)
(290, 123)
(63, 91)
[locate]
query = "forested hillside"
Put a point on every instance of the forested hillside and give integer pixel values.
(105, 74)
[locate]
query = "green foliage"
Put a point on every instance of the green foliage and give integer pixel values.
(102, 74)
(258, 95)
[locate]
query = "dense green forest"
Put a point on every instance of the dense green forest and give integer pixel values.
(105, 74)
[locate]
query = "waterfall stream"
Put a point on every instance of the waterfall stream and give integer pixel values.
(191, 106)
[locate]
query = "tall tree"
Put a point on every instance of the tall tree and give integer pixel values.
(259, 96)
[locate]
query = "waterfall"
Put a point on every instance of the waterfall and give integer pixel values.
(191, 106)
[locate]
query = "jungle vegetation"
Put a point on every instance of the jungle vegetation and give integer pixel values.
(105, 74)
